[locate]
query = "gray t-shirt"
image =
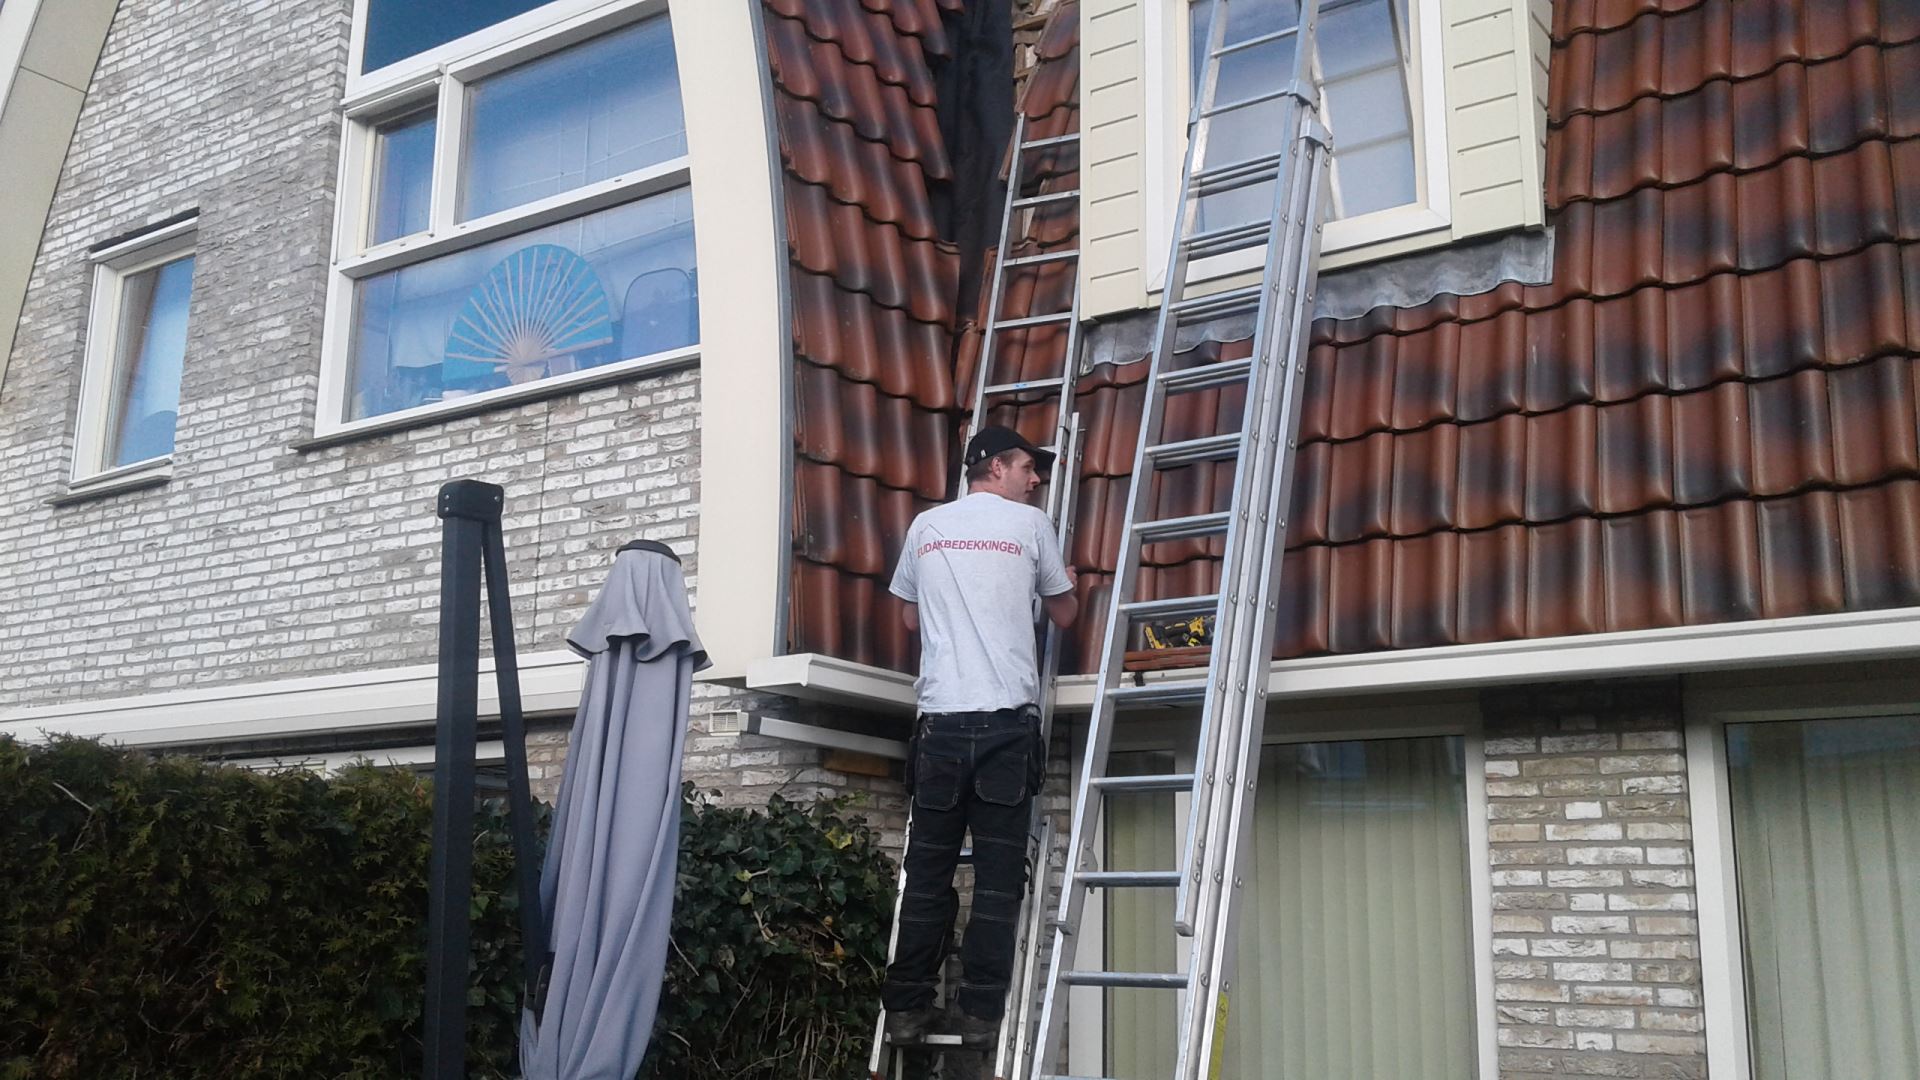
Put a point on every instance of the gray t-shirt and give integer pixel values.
(974, 566)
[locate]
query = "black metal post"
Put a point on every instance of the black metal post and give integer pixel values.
(470, 541)
(465, 508)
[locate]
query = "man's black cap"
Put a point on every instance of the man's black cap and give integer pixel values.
(994, 439)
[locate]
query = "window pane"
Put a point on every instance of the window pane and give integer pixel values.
(152, 344)
(402, 177)
(1827, 859)
(597, 110)
(397, 29)
(1364, 97)
(608, 286)
(1354, 940)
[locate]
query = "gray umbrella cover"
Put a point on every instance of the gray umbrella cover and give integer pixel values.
(607, 883)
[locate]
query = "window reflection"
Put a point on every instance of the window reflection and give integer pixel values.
(1361, 59)
(402, 177)
(594, 111)
(580, 294)
(152, 346)
(397, 29)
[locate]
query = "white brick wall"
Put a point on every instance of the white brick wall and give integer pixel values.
(259, 561)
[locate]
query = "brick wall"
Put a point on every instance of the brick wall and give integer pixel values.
(1596, 943)
(260, 561)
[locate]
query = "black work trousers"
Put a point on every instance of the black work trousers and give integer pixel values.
(978, 772)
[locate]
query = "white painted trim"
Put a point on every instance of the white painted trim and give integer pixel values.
(1756, 644)
(16, 26)
(1486, 1019)
(1722, 961)
(99, 375)
(1167, 77)
(323, 704)
(832, 738)
(395, 757)
(818, 677)
(657, 363)
(445, 237)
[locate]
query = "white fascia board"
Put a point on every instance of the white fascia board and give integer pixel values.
(1861, 635)
(816, 677)
(325, 704)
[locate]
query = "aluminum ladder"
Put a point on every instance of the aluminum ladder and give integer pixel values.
(1231, 697)
(887, 1060)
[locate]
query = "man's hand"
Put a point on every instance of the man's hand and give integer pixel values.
(1063, 609)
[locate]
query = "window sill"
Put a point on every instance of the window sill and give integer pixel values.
(325, 436)
(136, 477)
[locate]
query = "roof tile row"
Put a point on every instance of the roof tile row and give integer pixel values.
(1672, 54)
(1793, 109)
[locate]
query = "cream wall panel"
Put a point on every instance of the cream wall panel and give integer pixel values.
(1114, 134)
(743, 452)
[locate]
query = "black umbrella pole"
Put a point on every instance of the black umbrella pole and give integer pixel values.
(465, 508)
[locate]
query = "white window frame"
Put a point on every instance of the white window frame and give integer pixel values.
(1166, 119)
(1384, 718)
(439, 78)
(1712, 704)
(99, 378)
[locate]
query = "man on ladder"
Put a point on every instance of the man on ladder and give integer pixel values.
(970, 571)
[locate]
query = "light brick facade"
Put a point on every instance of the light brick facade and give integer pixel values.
(260, 560)
(1595, 939)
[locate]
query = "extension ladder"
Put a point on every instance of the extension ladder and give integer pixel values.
(1231, 696)
(886, 1059)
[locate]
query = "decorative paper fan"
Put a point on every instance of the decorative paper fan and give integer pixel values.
(536, 305)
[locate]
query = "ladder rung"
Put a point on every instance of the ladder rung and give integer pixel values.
(1182, 528)
(1206, 245)
(1051, 256)
(1022, 387)
(1232, 301)
(1171, 606)
(1161, 692)
(1256, 42)
(1150, 783)
(1207, 376)
(1189, 451)
(1050, 197)
(930, 1039)
(1145, 980)
(1236, 174)
(1053, 140)
(1257, 99)
(1035, 320)
(1128, 879)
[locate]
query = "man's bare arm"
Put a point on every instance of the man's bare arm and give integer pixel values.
(1064, 608)
(910, 615)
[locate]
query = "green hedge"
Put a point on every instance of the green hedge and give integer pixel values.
(164, 918)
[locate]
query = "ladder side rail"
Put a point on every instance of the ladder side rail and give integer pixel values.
(1241, 558)
(1093, 765)
(982, 378)
(1222, 960)
(1296, 227)
(877, 1058)
(1010, 1049)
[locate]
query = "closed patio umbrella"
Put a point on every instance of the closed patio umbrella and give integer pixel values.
(607, 882)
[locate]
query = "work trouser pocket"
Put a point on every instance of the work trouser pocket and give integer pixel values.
(1002, 777)
(936, 779)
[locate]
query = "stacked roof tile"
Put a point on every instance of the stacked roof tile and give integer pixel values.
(873, 291)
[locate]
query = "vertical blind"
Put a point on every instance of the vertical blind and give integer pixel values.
(1355, 939)
(1827, 860)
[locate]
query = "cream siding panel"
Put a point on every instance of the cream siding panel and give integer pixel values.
(1113, 126)
(1491, 140)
